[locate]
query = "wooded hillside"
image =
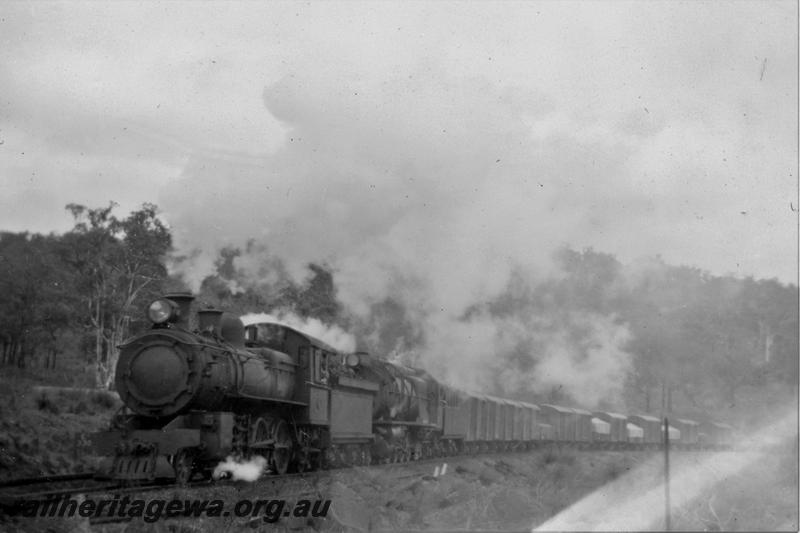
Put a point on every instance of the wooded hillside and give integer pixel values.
(698, 341)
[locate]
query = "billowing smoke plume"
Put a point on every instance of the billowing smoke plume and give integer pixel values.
(332, 335)
(426, 205)
(583, 365)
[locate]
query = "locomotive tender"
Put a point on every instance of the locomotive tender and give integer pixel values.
(195, 395)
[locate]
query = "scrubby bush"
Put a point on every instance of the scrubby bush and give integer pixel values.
(45, 403)
(549, 456)
(613, 471)
(80, 408)
(74, 400)
(104, 399)
(568, 458)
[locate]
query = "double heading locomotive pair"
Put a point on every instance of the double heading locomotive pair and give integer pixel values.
(195, 395)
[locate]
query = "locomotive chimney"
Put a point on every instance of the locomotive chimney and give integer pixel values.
(209, 320)
(184, 301)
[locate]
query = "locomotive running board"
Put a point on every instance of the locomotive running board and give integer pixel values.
(260, 399)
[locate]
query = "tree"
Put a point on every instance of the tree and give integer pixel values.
(119, 265)
(316, 297)
(35, 310)
(254, 280)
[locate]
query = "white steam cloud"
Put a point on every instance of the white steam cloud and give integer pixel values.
(586, 368)
(590, 366)
(332, 335)
(249, 470)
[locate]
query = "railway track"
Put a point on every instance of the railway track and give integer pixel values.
(54, 486)
(42, 488)
(50, 486)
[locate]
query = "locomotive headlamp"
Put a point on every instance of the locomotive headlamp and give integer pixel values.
(352, 360)
(162, 311)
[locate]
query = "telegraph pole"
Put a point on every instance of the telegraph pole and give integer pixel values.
(666, 475)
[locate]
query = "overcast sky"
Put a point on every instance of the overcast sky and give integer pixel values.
(450, 137)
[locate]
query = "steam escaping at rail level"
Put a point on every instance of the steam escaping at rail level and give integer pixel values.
(333, 335)
(249, 470)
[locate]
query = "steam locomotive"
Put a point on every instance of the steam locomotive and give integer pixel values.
(194, 395)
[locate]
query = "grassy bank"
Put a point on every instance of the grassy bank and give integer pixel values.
(45, 429)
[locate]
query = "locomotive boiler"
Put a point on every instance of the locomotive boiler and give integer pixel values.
(169, 370)
(407, 409)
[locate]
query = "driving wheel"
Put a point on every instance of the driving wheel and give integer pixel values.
(282, 451)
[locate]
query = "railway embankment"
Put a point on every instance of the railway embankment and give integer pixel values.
(45, 431)
(500, 492)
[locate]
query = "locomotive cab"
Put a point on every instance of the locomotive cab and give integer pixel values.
(337, 405)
